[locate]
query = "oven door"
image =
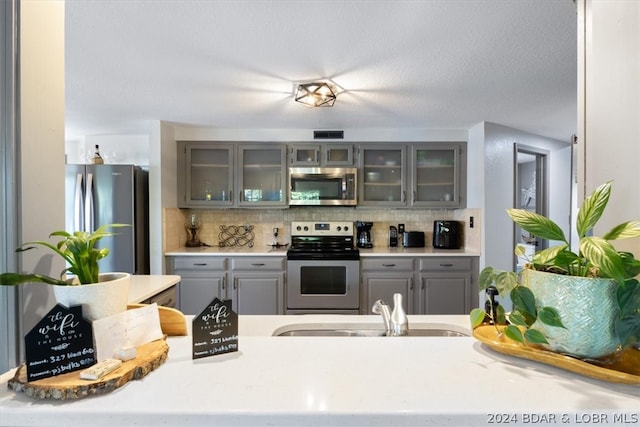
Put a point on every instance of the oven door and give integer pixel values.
(323, 284)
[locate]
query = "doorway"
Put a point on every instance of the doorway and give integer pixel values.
(530, 193)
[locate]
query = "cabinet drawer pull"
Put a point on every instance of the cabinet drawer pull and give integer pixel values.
(446, 265)
(200, 264)
(388, 265)
(258, 264)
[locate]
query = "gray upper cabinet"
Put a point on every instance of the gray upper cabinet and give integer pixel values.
(321, 155)
(382, 175)
(223, 175)
(205, 175)
(414, 175)
(262, 175)
(438, 175)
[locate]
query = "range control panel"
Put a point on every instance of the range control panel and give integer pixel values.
(311, 228)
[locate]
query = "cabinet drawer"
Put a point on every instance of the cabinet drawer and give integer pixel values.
(258, 264)
(387, 264)
(166, 298)
(199, 263)
(445, 264)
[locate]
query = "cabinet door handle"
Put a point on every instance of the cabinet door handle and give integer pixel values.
(258, 264)
(404, 196)
(388, 265)
(235, 283)
(410, 284)
(230, 193)
(224, 283)
(414, 197)
(446, 265)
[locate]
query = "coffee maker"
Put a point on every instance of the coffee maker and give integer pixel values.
(363, 238)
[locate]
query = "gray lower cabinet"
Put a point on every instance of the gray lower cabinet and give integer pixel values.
(258, 285)
(382, 277)
(429, 285)
(447, 285)
(201, 280)
(254, 284)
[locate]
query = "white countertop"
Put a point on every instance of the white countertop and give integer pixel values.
(340, 381)
(233, 251)
(268, 251)
(143, 287)
(414, 252)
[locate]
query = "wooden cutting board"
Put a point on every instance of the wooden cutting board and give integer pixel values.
(172, 321)
(69, 386)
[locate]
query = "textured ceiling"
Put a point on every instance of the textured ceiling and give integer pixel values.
(436, 64)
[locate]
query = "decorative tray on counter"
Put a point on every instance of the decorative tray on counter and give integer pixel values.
(624, 369)
(69, 386)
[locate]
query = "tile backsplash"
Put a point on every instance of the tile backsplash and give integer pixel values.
(264, 220)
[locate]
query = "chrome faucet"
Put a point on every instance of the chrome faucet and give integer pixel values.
(396, 322)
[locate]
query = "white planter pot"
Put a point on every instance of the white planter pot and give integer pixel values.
(109, 296)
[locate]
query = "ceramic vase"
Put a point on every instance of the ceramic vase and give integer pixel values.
(109, 296)
(587, 307)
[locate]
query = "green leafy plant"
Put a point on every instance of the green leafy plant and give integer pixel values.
(596, 257)
(78, 250)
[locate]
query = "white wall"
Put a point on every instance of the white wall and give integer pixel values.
(609, 124)
(42, 144)
(499, 191)
(114, 149)
(162, 188)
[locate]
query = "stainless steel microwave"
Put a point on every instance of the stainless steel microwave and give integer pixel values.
(323, 186)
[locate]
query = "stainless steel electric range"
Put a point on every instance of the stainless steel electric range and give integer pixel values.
(323, 269)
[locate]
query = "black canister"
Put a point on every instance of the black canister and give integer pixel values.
(447, 234)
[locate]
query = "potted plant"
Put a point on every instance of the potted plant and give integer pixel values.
(80, 282)
(585, 304)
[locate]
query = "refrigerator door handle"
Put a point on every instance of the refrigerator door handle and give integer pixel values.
(88, 204)
(78, 208)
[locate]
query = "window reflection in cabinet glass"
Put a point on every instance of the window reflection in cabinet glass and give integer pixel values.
(262, 175)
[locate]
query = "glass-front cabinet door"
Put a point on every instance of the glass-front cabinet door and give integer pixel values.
(337, 154)
(438, 175)
(382, 176)
(262, 175)
(208, 175)
(322, 155)
(305, 155)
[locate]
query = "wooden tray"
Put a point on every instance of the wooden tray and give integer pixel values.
(625, 369)
(70, 386)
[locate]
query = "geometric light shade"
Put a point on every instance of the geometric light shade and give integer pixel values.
(317, 94)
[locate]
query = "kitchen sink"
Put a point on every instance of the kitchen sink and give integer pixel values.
(368, 330)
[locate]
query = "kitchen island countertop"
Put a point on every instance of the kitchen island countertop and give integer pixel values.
(340, 381)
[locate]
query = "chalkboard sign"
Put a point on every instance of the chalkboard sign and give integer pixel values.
(215, 330)
(61, 342)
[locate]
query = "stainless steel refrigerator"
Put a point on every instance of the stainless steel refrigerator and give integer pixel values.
(108, 194)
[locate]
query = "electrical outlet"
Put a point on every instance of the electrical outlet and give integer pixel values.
(470, 222)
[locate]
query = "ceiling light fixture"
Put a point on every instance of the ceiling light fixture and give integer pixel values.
(316, 94)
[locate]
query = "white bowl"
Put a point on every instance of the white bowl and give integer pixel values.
(373, 176)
